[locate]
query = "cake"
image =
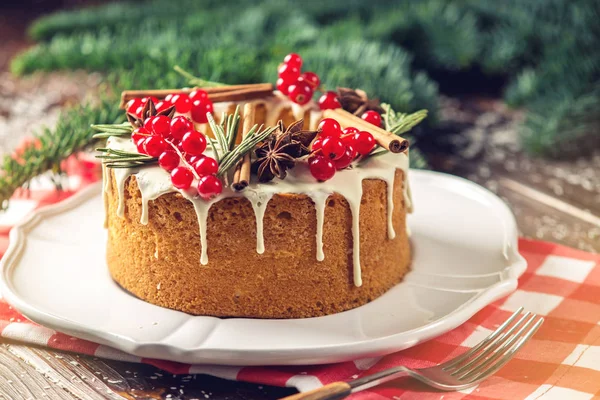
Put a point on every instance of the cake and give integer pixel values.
(262, 242)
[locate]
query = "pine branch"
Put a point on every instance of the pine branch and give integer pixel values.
(51, 146)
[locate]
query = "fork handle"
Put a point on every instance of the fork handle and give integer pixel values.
(333, 391)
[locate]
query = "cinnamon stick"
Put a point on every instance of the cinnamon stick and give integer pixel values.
(160, 94)
(241, 176)
(385, 139)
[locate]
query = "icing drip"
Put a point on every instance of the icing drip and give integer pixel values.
(154, 182)
(320, 199)
(259, 203)
(390, 207)
(105, 188)
(201, 208)
(355, 208)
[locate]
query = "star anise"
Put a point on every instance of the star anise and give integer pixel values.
(357, 101)
(149, 110)
(279, 152)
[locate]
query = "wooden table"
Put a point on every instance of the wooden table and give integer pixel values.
(555, 201)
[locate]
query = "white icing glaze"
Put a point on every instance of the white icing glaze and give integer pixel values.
(259, 201)
(154, 182)
(320, 199)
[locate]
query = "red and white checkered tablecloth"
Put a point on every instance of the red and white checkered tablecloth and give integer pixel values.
(562, 361)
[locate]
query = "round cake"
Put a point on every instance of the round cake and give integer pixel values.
(284, 246)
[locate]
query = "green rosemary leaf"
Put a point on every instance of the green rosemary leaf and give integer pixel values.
(399, 123)
(114, 158)
(255, 135)
(219, 133)
(214, 148)
(106, 131)
(194, 80)
(124, 127)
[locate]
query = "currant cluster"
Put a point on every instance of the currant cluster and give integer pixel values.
(298, 86)
(196, 103)
(179, 149)
(335, 149)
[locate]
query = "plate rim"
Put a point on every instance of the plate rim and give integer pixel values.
(350, 350)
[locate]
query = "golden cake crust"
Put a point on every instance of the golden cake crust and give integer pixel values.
(160, 262)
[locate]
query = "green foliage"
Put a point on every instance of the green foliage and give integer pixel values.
(545, 49)
(71, 134)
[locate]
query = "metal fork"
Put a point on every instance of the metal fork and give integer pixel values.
(461, 372)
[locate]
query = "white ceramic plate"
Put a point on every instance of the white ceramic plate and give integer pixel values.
(465, 257)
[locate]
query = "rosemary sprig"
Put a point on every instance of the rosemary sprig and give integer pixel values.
(194, 80)
(396, 123)
(113, 158)
(227, 153)
(106, 131)
(399, 123)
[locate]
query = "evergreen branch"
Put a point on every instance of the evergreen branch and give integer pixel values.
(50, 147)
(194, 80)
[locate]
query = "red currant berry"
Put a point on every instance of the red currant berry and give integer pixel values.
(139, 134)
(283, 86)
(348, 135)
(329, 127)
(148, 123)
(329, 101)
(206, 166)
(293, 59)
(363, 142)
(199, 110)
(333, 147)
(345, 160)
(141, 145)
(321, 168)
(162, 105)
(193, 142)
(181, 102)
(192, 159)
(317, 144)
(181, 177)
(155, 145)
(133, 105)
(288, 72)
(300, 92)
(139, 110)
(161, 125)
(179, 126)
(372, 117)
(312, 79)
(198, 94)
(209, 186)
(168, 160)
(153, 98)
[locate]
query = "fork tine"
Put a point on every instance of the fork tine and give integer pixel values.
(492, 346)
(450, 363)
(501, 351)
(508, 355)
